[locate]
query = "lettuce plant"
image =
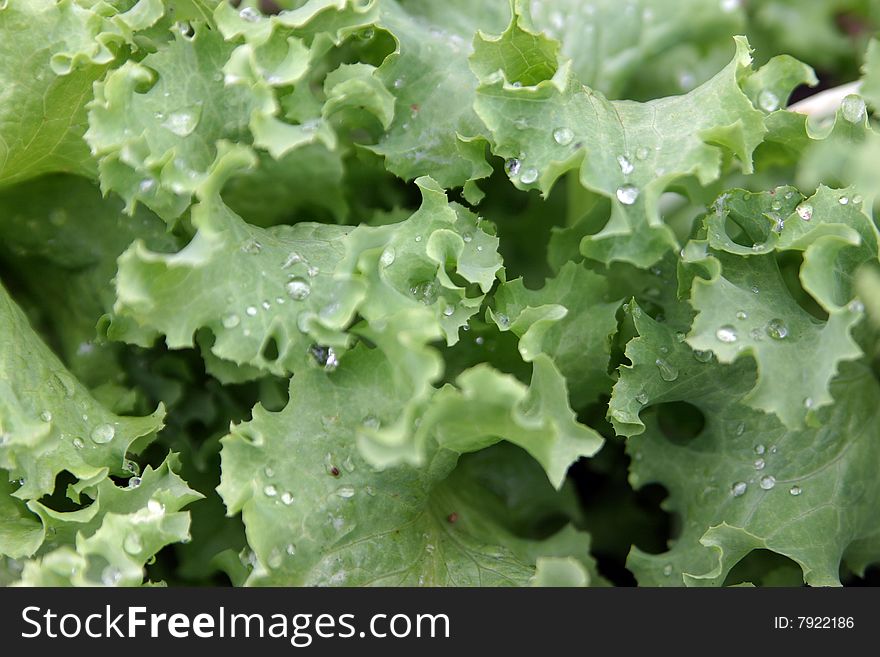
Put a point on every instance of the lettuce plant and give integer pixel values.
(402, 292)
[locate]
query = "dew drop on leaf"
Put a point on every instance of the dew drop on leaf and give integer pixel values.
(345, 492)
(795, 490)
(853, 109)
(627, 194)
(739, 489)
(777, 329)
(768, 482)
(298, 289)
(726, 334)
(183, 122)
(512, 166)
(626, 166)
(529, 176)
(111, 576)
(768, 101)
(103, 433)
(250, 14)
(230, 321)
(805, 211)
(703, 355)
(667, 372)
(387, 257)
(563, 136)
(252, 247)
(132, 544)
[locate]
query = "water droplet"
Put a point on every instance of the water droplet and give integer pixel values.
(253, 247)
(46, 416)
(448, 311)
(856, 306)
(740, 428)
(777, 329)
(739, 489)
(795, 490)
(290, 549)
(266, 305)
(512, 166)
(183, 122)
(312, 271)
(345, 492)
(703, 356)
(387, 257)
(853, 109)
(130, 466)
(768, 101)
(759, 464)
(667, 569)
(627, 194)
(250, 14)
(759, 449)
(563, 136)
(626, 167)
(134, 482)
(843, 200)
(667, 372)
(642, 398)
(270, 491)
(78, 443)
(502, 320)
(805, 211)
(857, 199)
(275, 559)
(755, 289)
(230, 321)
(292, 259)
(298, 289)
(103, 433)
(287, 498)
(132, 544)
(741, 314)
(529, 176)
(398, 83)
(426, 292)
(325, 357)
(642, 153)
(111, 576)
(809, 403)
(726, 334)
(768, 482)
(147, 185)
(348, 464)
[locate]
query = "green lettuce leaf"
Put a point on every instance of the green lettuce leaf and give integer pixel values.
(742, 481)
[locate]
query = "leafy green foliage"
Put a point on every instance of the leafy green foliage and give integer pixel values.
(402, 292)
